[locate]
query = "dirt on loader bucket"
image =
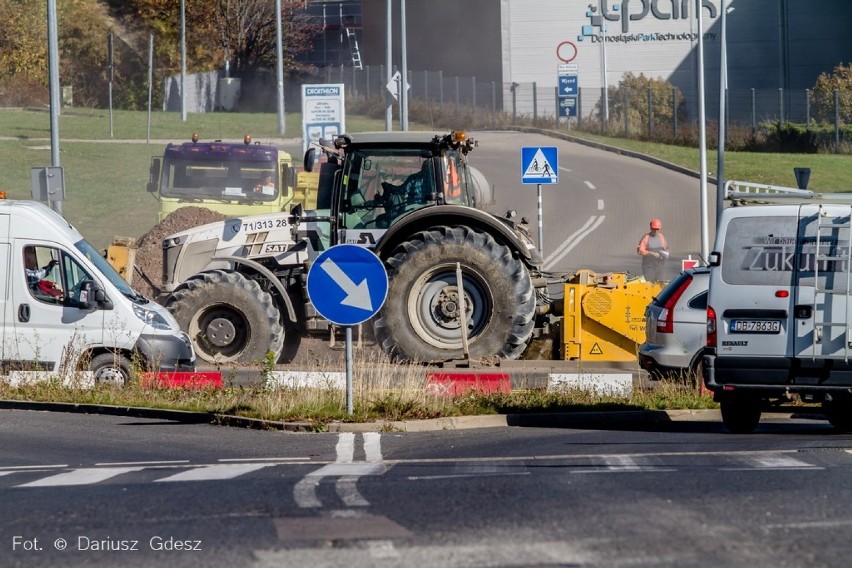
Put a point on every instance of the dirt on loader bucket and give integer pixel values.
(149, 254)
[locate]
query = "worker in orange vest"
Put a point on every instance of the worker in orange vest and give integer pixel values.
(654, 251)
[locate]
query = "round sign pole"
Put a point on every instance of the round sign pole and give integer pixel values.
(540, 222)
(349, 395)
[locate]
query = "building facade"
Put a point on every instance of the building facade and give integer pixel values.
(775, 49)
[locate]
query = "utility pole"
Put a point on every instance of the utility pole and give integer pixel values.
(280, 67)
(182, 60)
(53, 64)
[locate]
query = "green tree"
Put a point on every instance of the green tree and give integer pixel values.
(23, 50)
(630, 98)
(822, 95)
(242, 32)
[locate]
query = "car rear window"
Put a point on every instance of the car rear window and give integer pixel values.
(699, 302)
(681, 279)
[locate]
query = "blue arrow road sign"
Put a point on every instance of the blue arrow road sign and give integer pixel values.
(539, 164)
(347, 284)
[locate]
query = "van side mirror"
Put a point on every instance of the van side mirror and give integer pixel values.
(92, 296)
(715, 258)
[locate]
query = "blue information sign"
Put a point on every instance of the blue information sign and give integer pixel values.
(568, 107)
(567, 85)
(539, 164)
(347, 284)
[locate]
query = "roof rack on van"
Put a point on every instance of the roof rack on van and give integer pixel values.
(744, 192)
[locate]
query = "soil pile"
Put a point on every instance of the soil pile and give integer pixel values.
(149, 253)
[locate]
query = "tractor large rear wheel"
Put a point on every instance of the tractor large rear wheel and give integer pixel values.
(228, 317)
(421, 321)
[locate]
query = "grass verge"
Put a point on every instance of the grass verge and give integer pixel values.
(382, 392)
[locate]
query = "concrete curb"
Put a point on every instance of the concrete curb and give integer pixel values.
(562, 419)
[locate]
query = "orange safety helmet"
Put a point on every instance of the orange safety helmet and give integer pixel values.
(656, 224)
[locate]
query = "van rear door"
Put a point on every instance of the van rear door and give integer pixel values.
(823, 308)
(752, 289)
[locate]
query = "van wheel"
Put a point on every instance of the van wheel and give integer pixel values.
(740, 416)
(228, 317)
(421, 319)
(839, 415)
(111, 369)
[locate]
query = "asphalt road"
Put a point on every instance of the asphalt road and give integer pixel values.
(594, 217)
(682, 494)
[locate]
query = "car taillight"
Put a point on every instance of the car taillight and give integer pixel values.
(665, 321)
(711, 327)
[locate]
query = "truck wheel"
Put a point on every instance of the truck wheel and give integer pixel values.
(420, 319)
(228, 317)
(740, 416)
(111, 369)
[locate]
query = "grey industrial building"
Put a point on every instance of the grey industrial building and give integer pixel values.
(776, 49)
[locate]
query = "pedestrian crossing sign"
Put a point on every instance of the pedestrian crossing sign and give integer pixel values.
(539, 164)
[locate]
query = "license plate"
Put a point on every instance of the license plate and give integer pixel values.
(755, 326)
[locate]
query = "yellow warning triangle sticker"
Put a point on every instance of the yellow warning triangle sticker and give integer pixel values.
(596, 350)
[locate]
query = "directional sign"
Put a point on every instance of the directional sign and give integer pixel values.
(347, 284)
(567, 85)
(568, 106)
(393, 85)
(539, 164)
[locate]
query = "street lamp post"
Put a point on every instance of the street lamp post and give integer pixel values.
(723, 122)
(182, 61)
(702, 139)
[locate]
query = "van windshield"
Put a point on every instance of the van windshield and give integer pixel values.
(104, 267)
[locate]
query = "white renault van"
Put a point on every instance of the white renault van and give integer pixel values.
(64, 308)
(779, 312)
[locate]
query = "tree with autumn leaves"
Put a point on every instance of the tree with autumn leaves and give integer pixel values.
(242, 32)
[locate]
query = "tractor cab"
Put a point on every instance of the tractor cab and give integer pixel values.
(374, 179)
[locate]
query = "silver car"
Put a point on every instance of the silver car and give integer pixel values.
(676, 327)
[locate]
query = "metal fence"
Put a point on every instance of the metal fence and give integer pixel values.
(531, 100)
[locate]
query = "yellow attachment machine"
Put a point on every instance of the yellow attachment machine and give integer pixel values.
(604, 317)
(121, 255)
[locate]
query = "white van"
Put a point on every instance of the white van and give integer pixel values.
(779, 312)
(64, 308)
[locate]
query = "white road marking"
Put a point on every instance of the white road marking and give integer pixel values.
(347, 490)
(214, 472)
(305, 492)
(773, 463)
(564, 169)
(457, 475)
(590, 185)
(622, 464)
(600, 204)
(244, 460)
(382, 549)
(26, 467)
(83, 476)
(346, 469)
(573, 240)
(372, 446)
(164, 462)
(345, 447)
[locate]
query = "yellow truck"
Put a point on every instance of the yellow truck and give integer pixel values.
(233, 179)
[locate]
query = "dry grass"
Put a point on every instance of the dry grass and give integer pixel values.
(383, 391)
